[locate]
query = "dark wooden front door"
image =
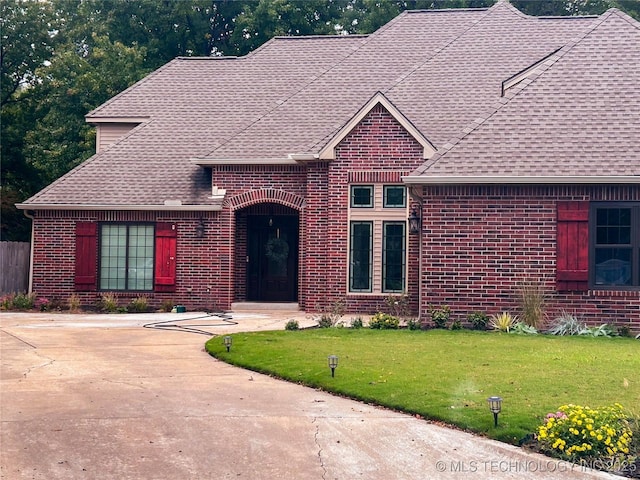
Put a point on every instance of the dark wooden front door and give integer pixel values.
(272, 260)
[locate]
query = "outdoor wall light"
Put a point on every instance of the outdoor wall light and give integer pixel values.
(333, 363)
(495, 405)
(227, 342)
(200, 229)
(414, 221)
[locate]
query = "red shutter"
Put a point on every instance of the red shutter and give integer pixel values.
(166, 247)
(86, 256)
(572, 260)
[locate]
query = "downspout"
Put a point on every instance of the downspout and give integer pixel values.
(31, 248)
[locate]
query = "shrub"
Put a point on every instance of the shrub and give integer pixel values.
(108, 302)
(478, 320)
(440, 316)
(503, 322)
(138, 305)
(456, 325)
(292, 325)
(73, 302)
(566, 324)
(577, 433)
(23, 301)
(331, 317)
(603, 330)
(521, 328)
(325, 321)
(166, 305)
(6, 301)
(532, 302)
(413, 324)
(41, 303)
(398, 305)
(356, 322)
(384, 321)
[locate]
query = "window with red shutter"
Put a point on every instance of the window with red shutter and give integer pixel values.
(166, 249)
(86, 256)
(572, 258)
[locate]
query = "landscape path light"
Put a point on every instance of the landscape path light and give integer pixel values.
(227, 342)
(333, 363)
(495, 405)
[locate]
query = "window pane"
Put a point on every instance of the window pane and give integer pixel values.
(613, 226)
(361, 196)
(112, 257)
(394, 196)
(140, 257)
(360, 263)
(393, 257)
(613, 266)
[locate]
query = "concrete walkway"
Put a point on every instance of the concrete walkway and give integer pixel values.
(101, 397)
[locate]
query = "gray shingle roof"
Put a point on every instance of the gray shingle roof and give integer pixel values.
(441, 69)
(577, 115)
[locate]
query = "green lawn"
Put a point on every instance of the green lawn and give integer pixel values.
(447, 376)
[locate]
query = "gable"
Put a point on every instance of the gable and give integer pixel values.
(377, 138)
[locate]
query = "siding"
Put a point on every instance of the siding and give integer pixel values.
(109, 133)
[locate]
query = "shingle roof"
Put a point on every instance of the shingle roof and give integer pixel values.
(577, 115)
(441, 69)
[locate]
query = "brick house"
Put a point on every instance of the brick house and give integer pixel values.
(451, 155)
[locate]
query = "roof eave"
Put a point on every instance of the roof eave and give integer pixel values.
(518, 179)
(210, 162)
(110, 207)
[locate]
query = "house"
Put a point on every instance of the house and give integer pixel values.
(451, 156)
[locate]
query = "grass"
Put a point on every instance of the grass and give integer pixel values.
(447, 376)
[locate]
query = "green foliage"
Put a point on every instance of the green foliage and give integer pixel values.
(503, 322)
(603, 330)
(440, 316)
(23, 301)
(398, 305)
(108, 302)
(384, 321)
(532, 301)
(138, 305)
(414, 324)
(356, 323)
(6, 301)
(577, 433)
(522, 328)
(457, 325)
(478, 320)
(329, 318)
(292, 325)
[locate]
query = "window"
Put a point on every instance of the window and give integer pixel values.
(126, 258)
(361, 196)
(394, 196)
(393, 257)
(615, 245)
(361, 257)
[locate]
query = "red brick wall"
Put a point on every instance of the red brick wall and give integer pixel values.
(377, 150)
(480, 242)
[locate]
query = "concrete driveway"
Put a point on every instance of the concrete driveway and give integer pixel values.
(101, 397)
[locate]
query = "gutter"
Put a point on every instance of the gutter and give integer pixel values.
(160, 208)
(515, 180)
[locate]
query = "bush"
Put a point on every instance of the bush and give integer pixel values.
(521, 328)
(440, 316)
(330, 318)
(292, 325)
(138, 305)
(566, 324)
(6, 301)
(108, 302)
(42, 304)
(578, 433)
(478, 320)
(384, 321)
(532, 302)
(413, 324)
(73, 302)
(326, 321)
(503, 322)
(356, 322)
(456, 325)
(166, 305)
(23, 301)
(398, 305)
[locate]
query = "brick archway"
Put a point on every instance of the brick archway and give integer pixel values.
(266, 195)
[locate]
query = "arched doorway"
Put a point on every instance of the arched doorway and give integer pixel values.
(272, 245)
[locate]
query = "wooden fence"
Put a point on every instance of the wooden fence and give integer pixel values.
(14, 266)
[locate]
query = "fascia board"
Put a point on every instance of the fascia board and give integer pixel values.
(83, 207)
(494, 180)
